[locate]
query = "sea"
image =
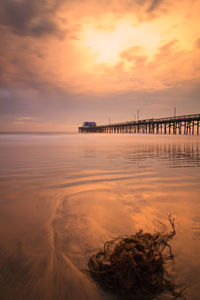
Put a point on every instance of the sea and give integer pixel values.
(62, 196)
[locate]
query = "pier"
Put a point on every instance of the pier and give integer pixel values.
(186, 124)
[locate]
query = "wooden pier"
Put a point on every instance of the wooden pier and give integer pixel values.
(187, 125)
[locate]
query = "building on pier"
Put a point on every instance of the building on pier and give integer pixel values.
(87, 124)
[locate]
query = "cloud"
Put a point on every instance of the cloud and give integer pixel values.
(26, 119)
(197, 43)
(31, 56)
(142, 10)
(167, 47)
(131, 53)
(154, 4)
(31, 18)
(51, 80)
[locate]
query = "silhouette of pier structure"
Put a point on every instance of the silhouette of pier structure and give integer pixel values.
(186, 124)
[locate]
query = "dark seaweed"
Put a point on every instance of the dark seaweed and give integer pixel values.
(134, 266)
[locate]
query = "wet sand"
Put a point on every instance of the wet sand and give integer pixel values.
(62, 197)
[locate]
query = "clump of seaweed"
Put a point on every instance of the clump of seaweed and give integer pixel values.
(134, 266)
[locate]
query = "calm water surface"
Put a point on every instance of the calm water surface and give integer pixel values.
(63, 196)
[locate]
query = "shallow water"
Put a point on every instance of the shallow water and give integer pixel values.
(63, 196)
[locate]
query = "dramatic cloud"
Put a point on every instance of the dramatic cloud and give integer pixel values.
(154, 5)
(31, 18)
(60, 59)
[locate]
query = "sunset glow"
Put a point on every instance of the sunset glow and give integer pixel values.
(90, 50)
(106, 46)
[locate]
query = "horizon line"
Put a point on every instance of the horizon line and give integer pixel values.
(37, 132)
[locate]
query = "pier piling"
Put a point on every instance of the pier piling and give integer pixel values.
(186, 124)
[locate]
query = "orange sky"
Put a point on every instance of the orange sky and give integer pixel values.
(64, 62)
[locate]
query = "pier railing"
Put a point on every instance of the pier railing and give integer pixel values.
(185, 124)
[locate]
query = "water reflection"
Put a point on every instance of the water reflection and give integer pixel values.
(174, 155)
(61, 198)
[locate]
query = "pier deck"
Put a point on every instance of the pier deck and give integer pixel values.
(186, 124)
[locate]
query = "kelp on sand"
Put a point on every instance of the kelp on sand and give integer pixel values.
(134, 266)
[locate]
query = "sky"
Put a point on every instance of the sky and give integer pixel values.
(63, 62)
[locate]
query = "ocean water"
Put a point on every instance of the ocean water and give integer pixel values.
(63, 195)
